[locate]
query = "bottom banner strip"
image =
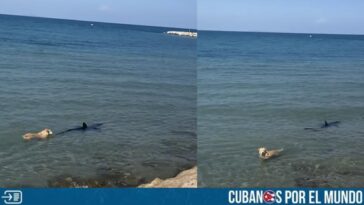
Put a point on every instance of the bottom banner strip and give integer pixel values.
(180, 196)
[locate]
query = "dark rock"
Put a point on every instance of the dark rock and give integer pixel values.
(310, 182)
(104, 180)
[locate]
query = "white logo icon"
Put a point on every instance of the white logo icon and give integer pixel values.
(13, 197)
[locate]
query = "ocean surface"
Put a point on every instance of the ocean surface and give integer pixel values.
(57, 74)
(263, 89)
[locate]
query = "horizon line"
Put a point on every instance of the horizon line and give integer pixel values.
(279, 32)
(118, 23)
(184, 28)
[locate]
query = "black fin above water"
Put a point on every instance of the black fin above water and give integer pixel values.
(325, 125)
(84, 127)
(330, 124)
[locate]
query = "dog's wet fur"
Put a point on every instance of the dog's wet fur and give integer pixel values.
(44, 134)
(265, 154)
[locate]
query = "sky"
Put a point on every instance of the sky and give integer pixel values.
(167, 13)
(291, 16)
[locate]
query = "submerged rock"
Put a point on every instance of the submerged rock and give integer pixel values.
(310, 174)
(311, 182)
(109, 180)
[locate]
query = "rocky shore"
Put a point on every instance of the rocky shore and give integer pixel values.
(117, 179)
(185, 179)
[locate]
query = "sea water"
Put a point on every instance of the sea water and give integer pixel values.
(261, 90)
(138, 81)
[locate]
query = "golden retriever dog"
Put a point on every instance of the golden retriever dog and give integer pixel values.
(264, 153)
(44, 134)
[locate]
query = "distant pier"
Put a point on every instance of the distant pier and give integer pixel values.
(183, 33)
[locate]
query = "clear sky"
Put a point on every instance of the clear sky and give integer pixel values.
(293, 16)
(170, 13)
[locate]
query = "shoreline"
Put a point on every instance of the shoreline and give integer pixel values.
(184, 179)
(187, 178)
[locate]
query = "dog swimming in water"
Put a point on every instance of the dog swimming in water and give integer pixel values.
(264, 153)
(44, 134)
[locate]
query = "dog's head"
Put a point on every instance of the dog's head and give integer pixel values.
(46, 132)
(262, 151)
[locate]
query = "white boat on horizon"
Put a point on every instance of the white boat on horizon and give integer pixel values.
(182, 33)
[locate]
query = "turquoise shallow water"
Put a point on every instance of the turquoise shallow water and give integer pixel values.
(261, 89)
(136, 80)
